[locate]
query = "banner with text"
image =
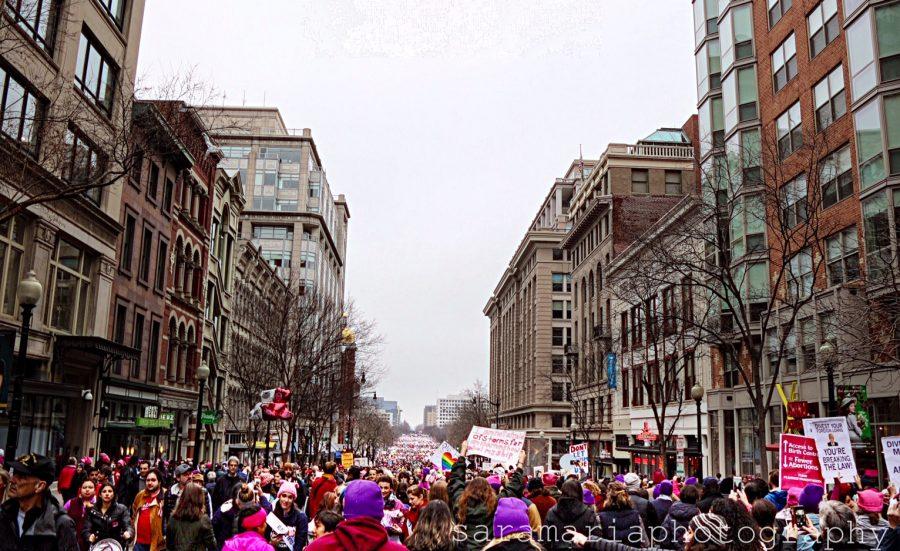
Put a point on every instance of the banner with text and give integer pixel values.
(579, 451)
(833, 446)
(890, 445)
(500, 445)
(798, 462)
(444, 456)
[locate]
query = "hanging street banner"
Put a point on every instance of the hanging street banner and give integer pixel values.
(890, 445)
(680, 445)
(833, 446)
(798, 462)
(502, 446)
(444, 456)
(611, 369)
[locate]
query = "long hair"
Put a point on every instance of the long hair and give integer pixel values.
(477, 491)
(438, 492)
(4, 479)
(330, 502)
(572, 489)
(743, 531)
(104, 486)
(190, 505)
(617, 498)
(434, 529)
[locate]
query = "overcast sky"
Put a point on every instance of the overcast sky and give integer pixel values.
(444, 123)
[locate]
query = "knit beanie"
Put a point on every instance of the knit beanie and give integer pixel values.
(287, 487)
(588, 497)
(534, 484)
(494, 481)
(362, 498)
(511, 517)
(632, 481)
(665, 488)
(811, 497)
(691, 481)
(710, 528)
(620, 478)
(794, 496)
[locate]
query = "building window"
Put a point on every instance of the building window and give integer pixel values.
(162, 260)
(640, 182)
(95, 73)
(842, 251)
(562, 309)
(673, 182)
(146, 246)
(168, 192)
(558, 255)
(784, 62)
(315, 190)
(85, 165)
(557, 391)
(153, 351)
(800, 275)
(288, 181)
(637, 324)
(558, 363)
(736, 35)
(36, 18)
(20, 112)
(127, 243)
(790, 131)
(562, 283)
(153, 182)
(116, 10)
(830, 102)
(836, 175)
(747, 225)
(137, 341)
(730, 373)
(877, 235)
(887, 23)
(794, 197)
(557, 337)
(706, 16)
(119, 332)
(637, 384)
(284, 205)
(709, 68)
(12, 247)
(740, 99)
(823, 25)
(777, 9)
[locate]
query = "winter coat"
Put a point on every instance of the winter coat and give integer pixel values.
(247, 541)
(296, 519)
(676, 524)
(514, 542)
(127, 486)
(661, 508)
(51, 529)
(891, 540)
(609, 545)
(224, 490)
(568, 514)
(111, 524)
(543, 503)
(320, 487)
(868, 533)
(356, 534)
(156, 520)
(642, 506)
(66, 476)
(172, 499)
(623, 526)
(223, 524)
(478, 524)
(190, 535)
(78, 512)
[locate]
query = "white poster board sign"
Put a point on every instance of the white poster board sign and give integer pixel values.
(890, 445)
(502, 446)
(444, 456)
(833, 443)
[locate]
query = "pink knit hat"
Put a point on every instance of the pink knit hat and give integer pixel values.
(287, 487)
(255, 520)
(870, 501)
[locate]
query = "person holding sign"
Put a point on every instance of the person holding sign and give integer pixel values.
(286, 510)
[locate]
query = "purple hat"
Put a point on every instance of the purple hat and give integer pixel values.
(691, 481)
(494, 481)
(620, 478)
(362, 498)
(664, 488)
(810, 497)
(588, 497)
(425, 471)
(511, 517)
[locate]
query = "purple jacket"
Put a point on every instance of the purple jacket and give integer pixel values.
(247, 541)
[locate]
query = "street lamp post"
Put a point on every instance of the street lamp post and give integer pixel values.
(697, 395)
(29, 294)
(202, 376)
(827, 352)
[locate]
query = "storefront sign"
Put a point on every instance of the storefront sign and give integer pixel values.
(798, 462)
(210, 417)
(500, 445)
(833, 444)
(151, 412)
(646, 434)
(890, 445)
(611, 369)
(161, 422)
(680, 445)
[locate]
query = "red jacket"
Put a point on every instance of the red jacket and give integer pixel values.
(357, 534)
(543, 503)
(65, 477)
(320, 487)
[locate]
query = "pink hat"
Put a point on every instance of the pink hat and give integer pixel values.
(255, 520)
(793, 497)
(265, 478)
(104, 458)
(494, 481)
(870, 501)
(549, 479)
(287, 487)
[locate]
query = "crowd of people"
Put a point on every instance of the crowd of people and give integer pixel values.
(407, 450)
(154, 506)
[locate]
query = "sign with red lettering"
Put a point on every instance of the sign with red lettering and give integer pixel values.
(798, 461)
(502, 446)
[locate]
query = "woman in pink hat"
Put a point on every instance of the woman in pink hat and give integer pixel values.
(870, 524)
(287, 512)
(252, 525)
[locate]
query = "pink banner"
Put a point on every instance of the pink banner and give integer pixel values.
(798, 461)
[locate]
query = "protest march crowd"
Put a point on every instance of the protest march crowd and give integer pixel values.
(427, 497)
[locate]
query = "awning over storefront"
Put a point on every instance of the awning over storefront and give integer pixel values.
(105, 350)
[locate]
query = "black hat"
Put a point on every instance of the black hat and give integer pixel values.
(35, 465)
(535, 484)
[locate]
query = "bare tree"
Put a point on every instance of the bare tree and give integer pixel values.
(475, 411)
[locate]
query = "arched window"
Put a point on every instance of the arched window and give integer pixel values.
(172, 356)
(591, 285)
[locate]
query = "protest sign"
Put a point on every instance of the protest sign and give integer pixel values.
(500, 445)
(680, 445)
(890, 445)
(798, 462)
(569, 465)
(444, 456)
(833, 446)
(579, 451)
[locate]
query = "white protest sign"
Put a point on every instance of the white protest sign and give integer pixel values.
(444, 456)
(579, 451)
(833, 444)
(890, 445)
(502, 446)
(281, 529)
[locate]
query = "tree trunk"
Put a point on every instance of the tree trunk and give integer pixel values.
(761, 436)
